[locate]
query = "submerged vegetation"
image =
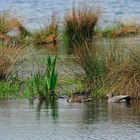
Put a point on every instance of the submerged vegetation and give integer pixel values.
(104, 65)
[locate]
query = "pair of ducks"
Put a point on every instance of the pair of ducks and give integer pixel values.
(84, 97)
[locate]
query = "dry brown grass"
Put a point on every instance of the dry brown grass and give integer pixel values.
(9, 58)
(8, 23)
(120, 29)
(49, 33)
(80, 22)
(110, 67)
(125, 79)
(129, 28)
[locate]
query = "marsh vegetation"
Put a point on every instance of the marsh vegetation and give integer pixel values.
(104, 64)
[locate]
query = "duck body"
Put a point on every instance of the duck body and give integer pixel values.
(79, 99)
(119, 99)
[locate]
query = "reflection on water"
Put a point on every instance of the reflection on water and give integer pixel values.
(61, 48)
(51, 107)
(96, 120)
(47, 49)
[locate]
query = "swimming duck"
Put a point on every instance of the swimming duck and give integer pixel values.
(80, 97)
(119, 98)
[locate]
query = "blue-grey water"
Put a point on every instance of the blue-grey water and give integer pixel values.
(96, 120)
(35, 12)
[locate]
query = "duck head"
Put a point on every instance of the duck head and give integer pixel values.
(109, 95)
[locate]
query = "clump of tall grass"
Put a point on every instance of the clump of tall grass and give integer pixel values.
(44, 83)
(47, 34)
(9, 23)
(98, 60)
(125, 79)
(119, 29)
(80, 22)
(9, 58)
(93, 65)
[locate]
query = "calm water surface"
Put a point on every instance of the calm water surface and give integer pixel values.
(98, 120)
(24, 120)
(35, 12)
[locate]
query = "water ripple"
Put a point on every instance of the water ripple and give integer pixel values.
(35, 11)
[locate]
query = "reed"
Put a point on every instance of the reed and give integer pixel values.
(97, 60)
(80, 22)
(44, 83)
(10, 57)
(9, 23)
(126, 78)
(119, 29)
(92, 64)
(48, 33)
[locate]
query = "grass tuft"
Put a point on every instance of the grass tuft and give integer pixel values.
(92, 64)
(10, 57)
(126, 78)
(80, 22)
(44, 82)
(48, 34)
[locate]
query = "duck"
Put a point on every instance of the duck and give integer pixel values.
(119, 98)
(79, 97)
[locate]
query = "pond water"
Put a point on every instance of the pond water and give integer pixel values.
(98, 120)
(35, 12)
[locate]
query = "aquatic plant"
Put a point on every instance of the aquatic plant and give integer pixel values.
(44, 83)
(48, 33)
(92, 64)
(8, 90)
(10, 57)
(9, 23)
(119, 29)
(125, 79)
(80, 22)
(97, 60)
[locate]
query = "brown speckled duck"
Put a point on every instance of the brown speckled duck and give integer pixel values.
(79, 97)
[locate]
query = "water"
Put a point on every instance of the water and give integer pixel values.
(98, 120)
(36, 12)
